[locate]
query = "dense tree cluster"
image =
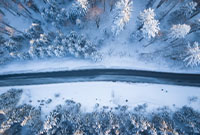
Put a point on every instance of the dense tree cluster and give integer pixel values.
(172, 22)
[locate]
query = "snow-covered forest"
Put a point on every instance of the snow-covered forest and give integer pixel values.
(163, 32)
(57, 59)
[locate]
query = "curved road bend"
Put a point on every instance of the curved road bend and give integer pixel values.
(115, 75)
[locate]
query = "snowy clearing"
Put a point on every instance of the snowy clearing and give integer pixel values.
(109, 94)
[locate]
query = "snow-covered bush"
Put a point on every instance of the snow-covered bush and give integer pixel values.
(79, 9)
(122, 16)
(193, 55)
(179, 31)
(149, 26)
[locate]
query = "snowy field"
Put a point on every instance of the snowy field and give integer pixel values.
(100, 108)
(109, 94)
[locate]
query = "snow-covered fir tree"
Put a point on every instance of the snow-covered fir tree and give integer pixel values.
(79, 46)
(149, 26)
(79, 9)
(38, 47)
(179, 31)
(56, 16)
(34, 31)
(150, 29)
(146, 15)
(182, 14)
(122, 16)
(55, 2)
(193, 55)
(11, 46)
(195, 25)
(189, 8)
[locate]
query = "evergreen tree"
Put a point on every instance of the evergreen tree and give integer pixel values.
(193, 55)
(34, 31)
(179, 31)
(78, 10)
(122, 16)
(55, 15)
(184, 13)
(148, 25)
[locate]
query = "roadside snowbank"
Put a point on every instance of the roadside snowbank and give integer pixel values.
(63, 64)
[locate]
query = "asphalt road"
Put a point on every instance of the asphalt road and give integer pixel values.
(114, 75)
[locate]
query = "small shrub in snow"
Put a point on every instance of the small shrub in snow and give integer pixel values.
(179, 31)
(149, 26)
(193, 55)
(122, 11)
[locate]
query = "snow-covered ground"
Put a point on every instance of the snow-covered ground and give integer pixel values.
(109, 94)
(62, 64)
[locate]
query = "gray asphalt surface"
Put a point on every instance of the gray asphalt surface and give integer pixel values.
(114, 75)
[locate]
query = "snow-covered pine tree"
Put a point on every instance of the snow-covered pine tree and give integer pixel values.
(34, 31)
(148, 25)
(55, 2)
(55, 15)
(146, 15)
(38, 47)
(11, 46)
(193, 55)
(150, 29)
(2, 40)
(58, 48)
(79, 46)
(79, 9)
(189, 8)
(179, 31)
(184, 13)
(122, 15)
(195, 25)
